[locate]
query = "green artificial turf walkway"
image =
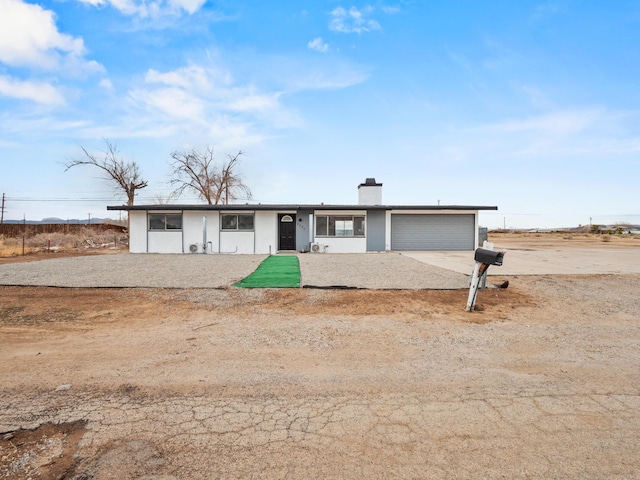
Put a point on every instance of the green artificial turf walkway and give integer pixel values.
(274, 272)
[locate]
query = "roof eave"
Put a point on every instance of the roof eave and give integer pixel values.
(263, 207)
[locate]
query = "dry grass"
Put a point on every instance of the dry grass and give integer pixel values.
(11, 247)
(58, 241)
(574, 237)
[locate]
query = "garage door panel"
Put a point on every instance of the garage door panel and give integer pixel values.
(432, 232)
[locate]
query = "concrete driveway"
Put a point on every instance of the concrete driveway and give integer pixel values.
(544, 259)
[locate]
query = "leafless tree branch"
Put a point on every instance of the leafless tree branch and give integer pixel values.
(125, 174)
(198, 172)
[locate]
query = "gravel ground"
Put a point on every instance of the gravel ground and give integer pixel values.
(372, 271)
(378, 271)
(133, 270)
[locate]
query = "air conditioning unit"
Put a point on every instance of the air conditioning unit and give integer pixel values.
(195, 247)
(317, 248)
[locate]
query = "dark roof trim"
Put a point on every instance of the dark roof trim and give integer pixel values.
(263, 207)
(369, 182)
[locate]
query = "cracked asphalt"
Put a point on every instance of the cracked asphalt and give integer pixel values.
(543, 382)
(388, 435)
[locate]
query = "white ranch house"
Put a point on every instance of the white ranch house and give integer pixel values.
(368, 226)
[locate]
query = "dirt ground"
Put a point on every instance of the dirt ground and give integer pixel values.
(44, 255)
(541, 382)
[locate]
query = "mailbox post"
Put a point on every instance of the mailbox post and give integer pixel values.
(484, 259)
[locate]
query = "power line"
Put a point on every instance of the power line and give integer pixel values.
(61, 199)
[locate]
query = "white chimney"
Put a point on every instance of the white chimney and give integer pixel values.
(370, 192)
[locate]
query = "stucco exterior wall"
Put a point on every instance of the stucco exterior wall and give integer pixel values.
(263, 239)
(370, 195)
(142, 240)
(344, 244)
(266, 232)
(137, 231)
(236, 242)
(200, 228)
(165, 242)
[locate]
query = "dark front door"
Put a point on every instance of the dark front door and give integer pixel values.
(287, 231)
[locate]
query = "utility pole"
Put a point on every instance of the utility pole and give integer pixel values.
(2, 211)
(89, 219)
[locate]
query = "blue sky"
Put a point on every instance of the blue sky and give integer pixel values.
(530, 106)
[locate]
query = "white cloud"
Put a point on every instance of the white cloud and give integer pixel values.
(390, 10)
(189, 6)
(209, 88)
(149, 9)
(174, 102)
(39, 92)
(311, 72)
(106, 84)
(95, 3)
(318, 45)
(199, 101)
(29, 36)
(342, 76)
(256, 103)
(565, 134)
(353, 20)
(191, 77)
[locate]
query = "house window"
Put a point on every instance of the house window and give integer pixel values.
(165, 221)
(339, 226)
(321, 226)
(233, 222)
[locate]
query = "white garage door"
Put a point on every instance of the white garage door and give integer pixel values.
(432, 232)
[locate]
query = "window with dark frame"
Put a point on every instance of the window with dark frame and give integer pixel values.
(237, 222)
(322, 230)
(165, 221)
(340, 225)
(173, 221)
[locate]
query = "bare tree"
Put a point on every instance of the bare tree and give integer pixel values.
(233, 186)
(126, 174)
(165, 199)
(197, 171)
